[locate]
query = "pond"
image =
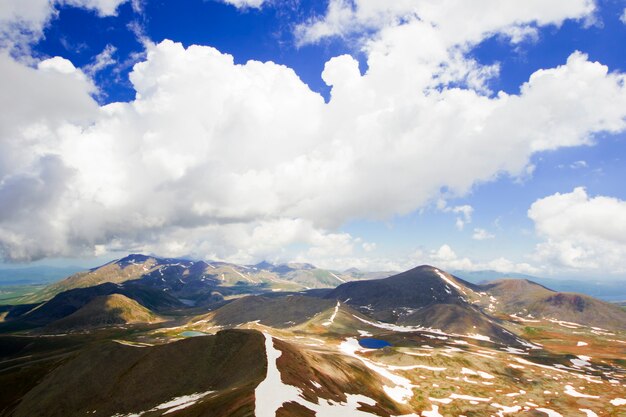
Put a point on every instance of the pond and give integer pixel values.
(191, 333)
(371, 343)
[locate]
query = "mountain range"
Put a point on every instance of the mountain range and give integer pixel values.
(148, 336)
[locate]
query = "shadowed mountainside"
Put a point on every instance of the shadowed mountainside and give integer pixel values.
(112, 378)
(283, 311)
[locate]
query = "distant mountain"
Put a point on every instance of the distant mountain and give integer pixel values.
(126, 269)
(424, 296)
(529, 299)
(606, 289)
(197, 281)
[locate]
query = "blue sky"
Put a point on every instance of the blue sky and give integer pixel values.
(531, 181)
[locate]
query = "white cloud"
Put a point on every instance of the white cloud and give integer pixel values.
(623, 17)
(457, 20)
(23, 21)
(369, 246)
(102, 7)
(101, 61)
(581, 232)
(212, 152)
(243, 4)
(464, 213)
(482, 234)
(446, 258)
(578, 165)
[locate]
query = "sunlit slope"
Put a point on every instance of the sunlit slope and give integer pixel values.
(528, 299)
(106, 310)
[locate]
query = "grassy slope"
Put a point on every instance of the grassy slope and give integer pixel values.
(527, 297)
(114, 309)
(111, 272)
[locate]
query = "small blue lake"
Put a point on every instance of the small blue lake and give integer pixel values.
(371, 343)
(191, 333)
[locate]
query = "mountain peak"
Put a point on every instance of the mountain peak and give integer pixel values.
(264, 265)
(133, 258)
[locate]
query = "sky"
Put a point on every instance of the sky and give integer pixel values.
(346, 133)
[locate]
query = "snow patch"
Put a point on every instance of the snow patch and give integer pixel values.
(173, 405)
(432, 413)
(332, 318)
(403, 390)
(569, 390)
(550, 413)
(337, 277)
(272, 393)
(581, 361)
(449, 281)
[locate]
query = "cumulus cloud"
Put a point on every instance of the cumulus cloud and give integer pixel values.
(623, 17)
(239, 161)
(445, 257)
(581, 232)
(457, 21)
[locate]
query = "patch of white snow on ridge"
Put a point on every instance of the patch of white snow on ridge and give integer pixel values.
(581, 361)
(505, 409)
(448, 280)
(272, 393)
(241, 275)
(569, 390)
(433, 413)
(173, 405)
(579, 344)
(466, 371)
(440, 400)
(618, 401)
(337, 277)
(479, 337)
(567, 324)
(401, 393)
(588, 412)
(332, 318)
(403, 329)
(550, 413)
(181, 402)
